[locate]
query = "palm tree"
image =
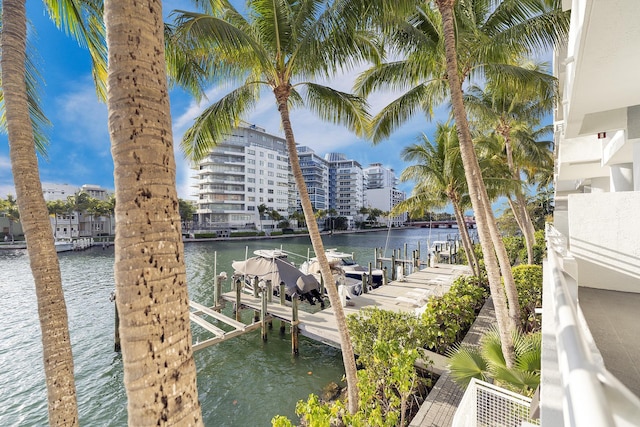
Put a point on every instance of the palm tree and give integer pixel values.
(56, 208)
(466, 39)
(24, 122)
(440, 178)
(262, 208)
(512, 114)
(280, 46)
(10, 210)
(487, 362)
(150, 275)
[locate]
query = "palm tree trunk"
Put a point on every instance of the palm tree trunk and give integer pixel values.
(520, 209)
(52, 310)
(348, 356)
(472, 260)
(150, 275)
(477, 190)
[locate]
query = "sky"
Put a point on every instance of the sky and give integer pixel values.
(79, 149)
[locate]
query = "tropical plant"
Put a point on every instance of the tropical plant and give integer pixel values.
(262, 209)
(149, 270)
(56, 208)
(487, 362)
(467, 39)
(9, 208)
(439, 177)
(512, 115)
(280, 46)
(25, 122)
(529, 283)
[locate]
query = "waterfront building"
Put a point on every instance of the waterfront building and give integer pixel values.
(315, 170)
(346, 186)
(382, 192)
(76, 224)
(247, 169)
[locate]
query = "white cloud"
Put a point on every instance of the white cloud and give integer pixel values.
(5, 163)
(80, 118)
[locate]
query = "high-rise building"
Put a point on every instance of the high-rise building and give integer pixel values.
(315, 170)
(248, 169)
(381, 192)
(346, 186)
(380, 177)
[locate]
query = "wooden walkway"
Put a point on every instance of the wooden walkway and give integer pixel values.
(407, 295)
(440, 405)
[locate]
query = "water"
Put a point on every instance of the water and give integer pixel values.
(241, 382)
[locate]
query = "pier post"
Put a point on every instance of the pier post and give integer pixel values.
(385, 279)
(365, 283)
(217, 292)
(269, 299)
(418, 251)
(269, 291)
(283, 295)
(370, 281)
(263, 313)
(294, 325)
(236, 308)
(321, 286)
(256, 290)
(393, 266)
(405, 251)
(116, 334)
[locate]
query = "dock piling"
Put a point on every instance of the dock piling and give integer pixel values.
(294, 325)
(283, 295)
(263, 313)
(236, 308)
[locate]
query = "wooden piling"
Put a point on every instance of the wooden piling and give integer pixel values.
(393, 266)
(283, 295)
(365, 283)
(236, 308)
(269, 291)
(116, 334)
(385, 279)
(263, 314)
(370, 281)
(294, 325)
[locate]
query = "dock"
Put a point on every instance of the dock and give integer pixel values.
(406, 295)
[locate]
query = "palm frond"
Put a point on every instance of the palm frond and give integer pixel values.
(338, 107)
(217, 121)
(466, 363)
(82, 19)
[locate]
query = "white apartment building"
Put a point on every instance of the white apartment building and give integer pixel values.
(378, 176)
(381, 192)
(315, 170)
(76, 224)
(346, 186)
(248, 169)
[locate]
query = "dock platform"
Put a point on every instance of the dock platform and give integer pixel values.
(406, 295)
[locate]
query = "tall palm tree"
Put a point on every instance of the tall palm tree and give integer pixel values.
(512, 115)
(24, 121)
(150, 275)
(439, 178)
(282, 46)
(463, 40)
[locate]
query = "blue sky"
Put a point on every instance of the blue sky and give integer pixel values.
(79, 150)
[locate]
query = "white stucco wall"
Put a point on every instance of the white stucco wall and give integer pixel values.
(604, 236)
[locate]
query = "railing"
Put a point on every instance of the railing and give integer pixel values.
(485, 404)
(591, 395)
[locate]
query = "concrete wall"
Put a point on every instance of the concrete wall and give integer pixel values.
(604, 238)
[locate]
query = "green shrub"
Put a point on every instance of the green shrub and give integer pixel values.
(447, 319)
(247, 233)
(528, 280)
(205, 235)
(514, 246)
(539, 249)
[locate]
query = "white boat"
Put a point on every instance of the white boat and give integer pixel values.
(63, 245)
(273, 265)
(346, 265)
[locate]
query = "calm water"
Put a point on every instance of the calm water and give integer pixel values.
(241, 382)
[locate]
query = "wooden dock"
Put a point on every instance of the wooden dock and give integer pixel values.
(406, 295)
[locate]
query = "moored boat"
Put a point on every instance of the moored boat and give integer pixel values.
(273, 265)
